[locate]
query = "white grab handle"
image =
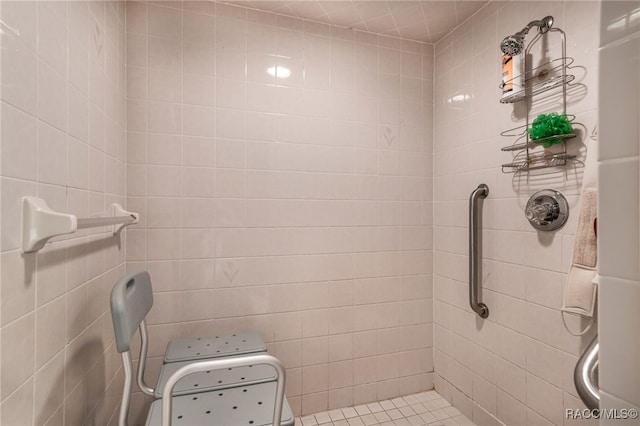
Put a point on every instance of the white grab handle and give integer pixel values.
(40, 223)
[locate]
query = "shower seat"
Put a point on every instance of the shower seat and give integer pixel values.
(245, 405)
(131, 301)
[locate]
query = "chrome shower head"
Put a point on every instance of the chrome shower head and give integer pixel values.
(512, 45)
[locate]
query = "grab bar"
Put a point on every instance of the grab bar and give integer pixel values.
(480, 192)
(40, 223)
(585, 375)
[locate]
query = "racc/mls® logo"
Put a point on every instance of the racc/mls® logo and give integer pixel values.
(603, 413)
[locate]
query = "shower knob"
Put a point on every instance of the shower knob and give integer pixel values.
(542, 212)
(547, 210)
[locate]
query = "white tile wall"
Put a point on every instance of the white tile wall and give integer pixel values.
(63, 139)
(516, 366)
(299, 207)
(619, 210)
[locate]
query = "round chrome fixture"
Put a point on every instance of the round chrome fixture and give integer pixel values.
(547, 210)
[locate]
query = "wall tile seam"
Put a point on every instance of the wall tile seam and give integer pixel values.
(619, 161)
(304, 20)
(24, 384)
(304, 31)
(346, 360)
(37, 308)
(324, 116)
(48, 183)
(283, 171)
(510, 295)
(55, 411)
(340, 255)
(563, 351)
(62, 351)
(292, 198)
(471, 397)
(492, 380)
(447, 36)
(633, 283)
(316, 310)
(440, 274)
(619, 41)
(284, 227)
(578, 111)
(298, 255)
(311, 336)
(621, 399)
(32, 311)
(454, 254)
(278, 85)
(376, 329)
(80, 336)
(555, 310)
(40, 121)
(266, 286)
(286, 142)
(406, 251)
(103, 396)
(258, 82)
(72, 243)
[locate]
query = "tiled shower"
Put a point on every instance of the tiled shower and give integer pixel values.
(295, 206)
(305, 180)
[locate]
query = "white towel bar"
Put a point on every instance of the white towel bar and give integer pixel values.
(39, 222)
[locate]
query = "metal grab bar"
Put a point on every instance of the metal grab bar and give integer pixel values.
(221, 363)
(480, 192)
(585, 375)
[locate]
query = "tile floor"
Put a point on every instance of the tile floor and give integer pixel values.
(426, 408)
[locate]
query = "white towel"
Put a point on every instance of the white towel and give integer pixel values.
(581, 291)
(580, 297)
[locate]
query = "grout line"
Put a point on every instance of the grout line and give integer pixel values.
(399, 409)
(328, 25)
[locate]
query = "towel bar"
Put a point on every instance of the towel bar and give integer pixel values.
(40, 223)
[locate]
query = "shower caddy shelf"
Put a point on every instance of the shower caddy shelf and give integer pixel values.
(544, 78)
(552, 67)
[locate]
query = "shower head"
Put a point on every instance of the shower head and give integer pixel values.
(512, 45)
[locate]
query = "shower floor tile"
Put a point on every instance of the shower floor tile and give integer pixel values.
(421, 409)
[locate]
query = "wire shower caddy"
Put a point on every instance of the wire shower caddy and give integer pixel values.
(543, 78)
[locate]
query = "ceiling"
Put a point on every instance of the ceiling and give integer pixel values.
(421, 20)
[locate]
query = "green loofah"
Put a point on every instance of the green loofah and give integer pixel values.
(547, 125)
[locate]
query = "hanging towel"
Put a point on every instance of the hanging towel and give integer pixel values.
(585, 251)
(580, 294)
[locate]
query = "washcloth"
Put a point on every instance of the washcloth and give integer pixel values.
(580, 295)
(585, 251)
(581, 291)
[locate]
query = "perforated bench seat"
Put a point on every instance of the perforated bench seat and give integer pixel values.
(213, 347)
(212, 380)
(241, 406)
